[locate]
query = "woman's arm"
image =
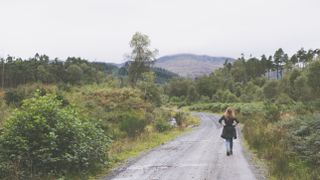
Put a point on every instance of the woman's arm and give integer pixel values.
(221, 119)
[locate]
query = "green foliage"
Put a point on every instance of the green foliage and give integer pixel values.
(150, 91)
(289, 146)
(132, 123)
(180, 117)
(41, 69)
(178, 87)
(304, 138)
(244, 108)
(12, 96)
(192, 94)
(272, 111)
(4, 111)
(271, 89)
(142, 57)
(15, 96)
(75, 74)
(301, 90)
(251, 92)
(284, 99)
(162, 125)
(207, 85)
(45, 138)
(163, 75)
(225, 96)
(313, 75)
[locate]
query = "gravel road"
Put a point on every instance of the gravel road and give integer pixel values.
(198, 155)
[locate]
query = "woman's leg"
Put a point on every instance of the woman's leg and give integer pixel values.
(231, 145)
(228, 146)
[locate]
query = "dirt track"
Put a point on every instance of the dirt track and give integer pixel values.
(198, 155)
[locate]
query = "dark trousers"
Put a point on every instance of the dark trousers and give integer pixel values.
(229, 144)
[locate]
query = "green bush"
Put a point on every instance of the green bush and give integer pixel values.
(272, 111)
(304, 138)
(162, 125)
(132, 123)
(180, 118)
(225, 96)
(45, 138)
(16, 95)
(12, 96)
(271, 89)
(284, 99)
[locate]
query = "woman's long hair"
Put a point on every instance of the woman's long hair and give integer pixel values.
(229, 113)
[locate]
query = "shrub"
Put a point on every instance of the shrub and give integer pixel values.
(132, 123)
(162, 125)
(272, 111)
(180, 118)
(225, 96)
(284, 99)
(271, 89)
(44, 138)
(304, 138)
(13, 97)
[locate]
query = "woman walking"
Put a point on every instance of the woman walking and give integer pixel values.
(229, 121)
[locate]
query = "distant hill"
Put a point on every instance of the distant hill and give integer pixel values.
(191, 65)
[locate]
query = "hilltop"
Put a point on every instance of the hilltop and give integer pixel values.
(191, 65)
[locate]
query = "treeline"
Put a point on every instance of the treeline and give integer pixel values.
(16, 71)
(248, 80)
(74, 70)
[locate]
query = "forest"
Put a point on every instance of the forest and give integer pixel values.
(74, 119)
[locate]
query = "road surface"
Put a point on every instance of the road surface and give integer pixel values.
(198, 155)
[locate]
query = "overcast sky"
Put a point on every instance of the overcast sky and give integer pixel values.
(101, 29)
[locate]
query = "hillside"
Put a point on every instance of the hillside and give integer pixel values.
(191, 65)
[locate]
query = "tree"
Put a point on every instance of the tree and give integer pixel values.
(141, 57)
(74, 73)
(313, 76)
(279, 58)
(301, 55)
(192, 94)
(150, 91)
(178, 87)
(238, 71)
(2, 75)
(301, 90)
(292, 61)
(207, 85)
(271, 89)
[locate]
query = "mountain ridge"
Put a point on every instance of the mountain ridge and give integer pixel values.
(191, 65)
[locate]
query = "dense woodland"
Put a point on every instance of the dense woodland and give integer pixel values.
(67, 119)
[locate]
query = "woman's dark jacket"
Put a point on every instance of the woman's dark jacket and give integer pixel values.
(229, 130)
